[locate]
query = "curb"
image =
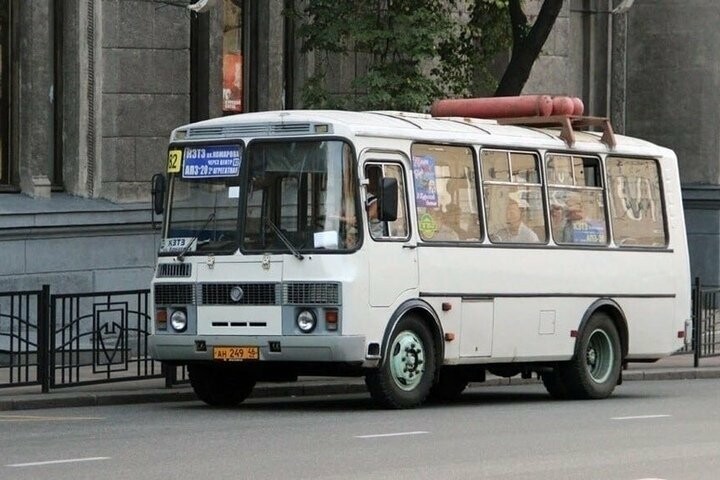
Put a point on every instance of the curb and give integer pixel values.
(352, 386)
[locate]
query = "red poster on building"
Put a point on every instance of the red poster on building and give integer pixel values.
(232, 83)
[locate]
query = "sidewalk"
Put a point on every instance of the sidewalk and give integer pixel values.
(676, 367)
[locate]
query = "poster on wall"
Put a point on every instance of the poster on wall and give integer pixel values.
(232, 83)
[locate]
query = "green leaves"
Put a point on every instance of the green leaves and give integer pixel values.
(410, 52)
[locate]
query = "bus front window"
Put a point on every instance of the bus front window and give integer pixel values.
(204, 192)
(300, 195)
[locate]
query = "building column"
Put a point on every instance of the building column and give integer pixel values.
(34, 99)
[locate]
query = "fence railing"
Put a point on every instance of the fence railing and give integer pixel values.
(706, 322)
(23, 339)
(100, 337)
(64, 340)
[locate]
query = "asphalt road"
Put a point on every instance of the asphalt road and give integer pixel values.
(647, 430)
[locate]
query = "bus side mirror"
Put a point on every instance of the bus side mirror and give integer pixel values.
(158, 192)
(388, 199)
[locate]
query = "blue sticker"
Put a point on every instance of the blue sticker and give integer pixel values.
(211, 162)
(425, 182)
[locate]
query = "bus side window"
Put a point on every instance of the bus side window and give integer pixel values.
(445, 193)
(577, 208)
(636, 208)
(378, 229)
(513, 197)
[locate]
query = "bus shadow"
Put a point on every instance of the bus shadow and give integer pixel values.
(363, 402)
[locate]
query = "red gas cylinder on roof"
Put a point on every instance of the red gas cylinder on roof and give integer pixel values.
(507, 107)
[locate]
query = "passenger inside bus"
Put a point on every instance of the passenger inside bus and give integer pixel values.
(515, 230)
(557, 220)
(578, 228)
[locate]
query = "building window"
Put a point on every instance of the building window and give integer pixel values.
(6, 174)
(233, 57)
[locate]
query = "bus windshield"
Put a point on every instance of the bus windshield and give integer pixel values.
(296, 196)
(300, 196)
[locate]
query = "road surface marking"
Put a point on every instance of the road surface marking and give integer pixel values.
(390, 434)
(640, 417)
(37, 418)
(54, 462)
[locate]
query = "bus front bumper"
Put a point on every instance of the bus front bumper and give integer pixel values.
(182, 348)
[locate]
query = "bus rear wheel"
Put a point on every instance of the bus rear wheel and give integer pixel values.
(595, 370)
(219, 385)
(406, 375)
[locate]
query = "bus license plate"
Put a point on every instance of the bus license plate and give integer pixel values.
(230, 354)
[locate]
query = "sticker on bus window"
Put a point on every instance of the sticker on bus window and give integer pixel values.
(211, 162)
(427, 226)
(425, 181)
(174, 161)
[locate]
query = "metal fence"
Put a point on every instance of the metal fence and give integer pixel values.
(706, 322)
(100, 337)
(23, 342)
(65, 340)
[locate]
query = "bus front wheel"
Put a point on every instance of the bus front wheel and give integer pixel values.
(595, 369)
(220, 386)
(406, 375)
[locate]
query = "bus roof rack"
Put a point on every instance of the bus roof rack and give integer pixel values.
(568, 124)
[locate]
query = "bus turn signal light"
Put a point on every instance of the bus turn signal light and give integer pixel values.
(331, 319)
(161, 319)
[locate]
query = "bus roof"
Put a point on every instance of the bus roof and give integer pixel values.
(406, 125)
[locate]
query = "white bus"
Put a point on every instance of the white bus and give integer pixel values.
(418, 252)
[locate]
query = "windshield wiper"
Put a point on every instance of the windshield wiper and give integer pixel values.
(284, 239)
(181, 255)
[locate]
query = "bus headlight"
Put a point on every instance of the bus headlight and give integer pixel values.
(178, 320)
(306, 321)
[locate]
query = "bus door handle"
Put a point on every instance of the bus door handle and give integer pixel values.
(410, 245)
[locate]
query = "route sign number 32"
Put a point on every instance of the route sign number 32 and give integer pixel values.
(174, 161)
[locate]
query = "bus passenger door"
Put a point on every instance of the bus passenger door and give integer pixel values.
(391, 251)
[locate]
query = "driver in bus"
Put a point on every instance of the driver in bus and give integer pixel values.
(376, 227)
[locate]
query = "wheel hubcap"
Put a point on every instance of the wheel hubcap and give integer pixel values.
(599, 356)
(407, 363)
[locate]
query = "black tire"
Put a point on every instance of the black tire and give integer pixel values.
(595, 369)
(449, 386)
(404, 381)
(219, 385)
(554, 385)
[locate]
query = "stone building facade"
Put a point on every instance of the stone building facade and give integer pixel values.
(90, 89)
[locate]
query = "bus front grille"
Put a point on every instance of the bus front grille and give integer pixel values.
(311, 293)
(169, 270)
(175, 294)
(249, 293)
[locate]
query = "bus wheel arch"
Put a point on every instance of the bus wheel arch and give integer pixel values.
(609, 307)
(410, 357)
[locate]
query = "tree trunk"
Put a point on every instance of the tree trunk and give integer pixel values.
(527, 44)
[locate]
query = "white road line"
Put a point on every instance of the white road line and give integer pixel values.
(640, 417)
(390, 434)
(53, 462)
